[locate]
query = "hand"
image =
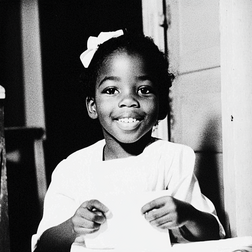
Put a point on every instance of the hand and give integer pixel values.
(166, 212)
(88, 218)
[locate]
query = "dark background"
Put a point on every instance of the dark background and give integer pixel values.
(65, 26)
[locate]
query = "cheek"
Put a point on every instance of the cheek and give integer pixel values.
(153, 107)
(103, 109)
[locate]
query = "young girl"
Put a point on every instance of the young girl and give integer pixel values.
(126, 82)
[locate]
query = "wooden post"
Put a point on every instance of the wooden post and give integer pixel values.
(236, 79)
(4, 217)
(153, 26)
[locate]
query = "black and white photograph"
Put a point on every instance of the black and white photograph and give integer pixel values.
(125, 125)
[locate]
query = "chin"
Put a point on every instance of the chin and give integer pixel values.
(131, 140)
(128, 141)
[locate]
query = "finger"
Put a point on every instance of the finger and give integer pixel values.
(154, 204)
(163, 222)
(166, 225)
(84, 231)
(155, 214)
(97, 205)
(82, 222)
(83, 213)
(93, 215)
(85, 227)
(97, 211)
(98, 216)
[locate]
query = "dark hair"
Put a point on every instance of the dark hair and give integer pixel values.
(155, 60)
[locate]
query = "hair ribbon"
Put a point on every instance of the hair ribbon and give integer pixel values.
(93, 44)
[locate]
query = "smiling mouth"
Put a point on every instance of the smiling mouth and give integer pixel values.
(128, 120)
(128, 123)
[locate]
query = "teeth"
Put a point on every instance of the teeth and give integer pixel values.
(127, 120)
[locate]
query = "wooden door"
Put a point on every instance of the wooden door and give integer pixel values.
(193, 42)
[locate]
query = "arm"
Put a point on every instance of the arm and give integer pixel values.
(87, 219)
(58, 238)
(200, 226)
(169, 213)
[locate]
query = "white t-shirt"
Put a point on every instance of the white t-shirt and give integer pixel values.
(84, 176)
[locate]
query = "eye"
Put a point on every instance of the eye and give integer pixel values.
(146, 90)
(110, 90)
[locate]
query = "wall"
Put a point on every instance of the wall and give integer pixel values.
(210, 52)
(11, 77)
(236, 79)
(194, 49)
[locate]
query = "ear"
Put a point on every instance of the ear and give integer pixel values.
(91, 108)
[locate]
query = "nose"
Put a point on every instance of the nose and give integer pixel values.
(128, 100)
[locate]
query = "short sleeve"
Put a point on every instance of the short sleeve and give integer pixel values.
(185, 186)
(59, 203)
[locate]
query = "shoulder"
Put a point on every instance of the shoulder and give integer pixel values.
(174, 155)
(172, 148)
(80, 159)
(87, 152)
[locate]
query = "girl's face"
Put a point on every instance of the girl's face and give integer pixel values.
(126, 99)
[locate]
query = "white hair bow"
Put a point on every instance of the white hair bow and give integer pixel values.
(93, 44)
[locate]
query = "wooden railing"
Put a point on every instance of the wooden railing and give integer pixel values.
(4, 217)
(21, 199)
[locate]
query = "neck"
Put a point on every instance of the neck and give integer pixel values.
(115, 149)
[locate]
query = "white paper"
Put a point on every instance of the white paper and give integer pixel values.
(126, 228)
